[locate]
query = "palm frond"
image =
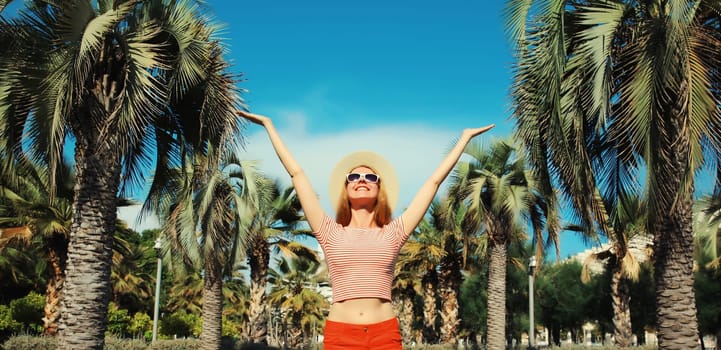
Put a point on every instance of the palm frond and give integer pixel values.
(515, 15)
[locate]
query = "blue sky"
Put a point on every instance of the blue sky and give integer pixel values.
(401, 78)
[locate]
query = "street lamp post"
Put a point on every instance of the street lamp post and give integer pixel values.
(531, 325)
(157, 247)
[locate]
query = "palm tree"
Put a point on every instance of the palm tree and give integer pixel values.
(295, 292)
(32, 215)
(127, 84)
(603, 80)
(628, 227)
(35, 218)
(502, 199)
(278, 215)
(132, 274)
(422, 254)
(458, 231)
(406, 287)
(18, 269)
(206, 228)
(186, 293)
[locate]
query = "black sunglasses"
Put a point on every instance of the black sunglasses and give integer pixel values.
(355, 177)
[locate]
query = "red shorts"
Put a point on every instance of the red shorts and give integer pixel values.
(384, 335)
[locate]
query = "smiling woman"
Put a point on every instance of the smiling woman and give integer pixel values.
(362, 244)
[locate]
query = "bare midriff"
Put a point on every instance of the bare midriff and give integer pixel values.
(361, 311)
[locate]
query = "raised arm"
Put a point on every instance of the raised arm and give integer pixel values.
(423, 198)
(306, 195)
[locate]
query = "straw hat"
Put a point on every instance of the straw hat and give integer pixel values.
(389, 179)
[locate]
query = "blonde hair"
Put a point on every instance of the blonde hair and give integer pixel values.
(383, 214)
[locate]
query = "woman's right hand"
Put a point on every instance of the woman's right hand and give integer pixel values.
(255, 118)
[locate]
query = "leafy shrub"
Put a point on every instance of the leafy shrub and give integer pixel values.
(180, 324)
(118, 321)
(29, 310)
(230, 327)
(141, 325)
(8, 325)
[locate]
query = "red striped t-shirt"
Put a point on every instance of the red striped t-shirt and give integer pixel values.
(361, 261)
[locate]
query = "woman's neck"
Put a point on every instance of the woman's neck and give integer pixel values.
(362, 218)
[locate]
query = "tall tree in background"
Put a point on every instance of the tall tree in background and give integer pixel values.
(276, 220)
(127, 84)
(420, 259)
(458, 232)
(205, 227)
(29, 214)
(564, 302)
(295, 293)
(132, 274)
(628, 223)
(406, 287)
(604, 81)
(502, 198)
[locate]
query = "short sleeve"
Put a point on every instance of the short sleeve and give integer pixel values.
(327, 227)
(396, 229)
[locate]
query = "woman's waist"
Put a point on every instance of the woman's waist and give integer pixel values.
(361, 311)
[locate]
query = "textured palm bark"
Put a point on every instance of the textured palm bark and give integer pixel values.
(210, 336)
(496, 321)
(449, 316)
(430, 311)
(255, 329)
(259, 258)
(621, 299)
(450, 284)
(295, 333)
(87, 287)
(406, 318)
(672, 229)
(675, 298)
(57, 257)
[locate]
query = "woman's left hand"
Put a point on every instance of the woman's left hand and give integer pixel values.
(472, 132)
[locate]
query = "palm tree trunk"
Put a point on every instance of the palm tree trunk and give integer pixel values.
(430, 312)
(673, 264)
(295, 332)
(406, 318)
(449, 316)
(87, 287)
(259, 256)
(621, 299)
(57, 256)
(672, 230)
(210, 336)
(496, 320)
(450, 282)
(257, 328)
